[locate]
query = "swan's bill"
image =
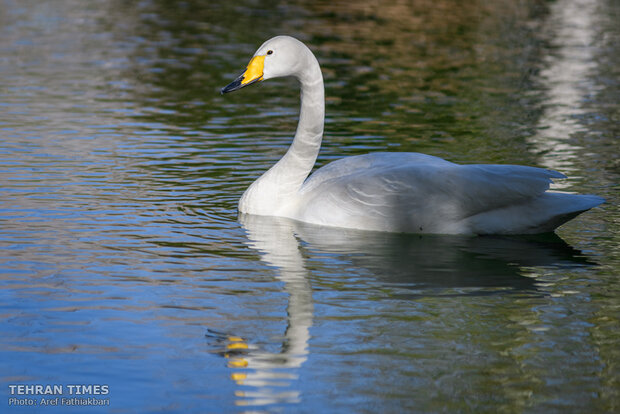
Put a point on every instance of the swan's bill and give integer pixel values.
(253, 73)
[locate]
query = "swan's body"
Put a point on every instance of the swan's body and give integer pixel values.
(398, 192)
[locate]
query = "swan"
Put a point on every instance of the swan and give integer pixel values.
(391, 191)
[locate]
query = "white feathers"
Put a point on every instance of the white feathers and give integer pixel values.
(398, 192)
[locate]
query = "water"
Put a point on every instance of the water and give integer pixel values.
(124, 263)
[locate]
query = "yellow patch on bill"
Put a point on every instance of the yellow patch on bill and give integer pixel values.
(254, 70)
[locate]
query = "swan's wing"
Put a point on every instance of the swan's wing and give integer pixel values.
(429, 194)
(368, 164)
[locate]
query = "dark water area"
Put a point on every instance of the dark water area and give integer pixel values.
(124, 262)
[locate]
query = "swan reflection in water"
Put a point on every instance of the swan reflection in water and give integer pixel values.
(412, 266)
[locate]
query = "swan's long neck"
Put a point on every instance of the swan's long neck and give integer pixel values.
(276, 190)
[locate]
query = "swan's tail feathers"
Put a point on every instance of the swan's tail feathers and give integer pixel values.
(578, 203)
(566, 207)
(541, 215)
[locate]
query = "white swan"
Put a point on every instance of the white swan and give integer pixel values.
(397, 192)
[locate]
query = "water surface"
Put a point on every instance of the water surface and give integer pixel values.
(123, 260)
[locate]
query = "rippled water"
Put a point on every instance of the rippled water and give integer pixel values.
(123, 261)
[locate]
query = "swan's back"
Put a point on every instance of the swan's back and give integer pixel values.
(411, 192)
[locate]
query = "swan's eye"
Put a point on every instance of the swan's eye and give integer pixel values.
(270, 52)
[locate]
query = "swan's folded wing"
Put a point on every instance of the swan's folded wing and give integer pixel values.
(372, 164)
(481, 188)
(428, 196)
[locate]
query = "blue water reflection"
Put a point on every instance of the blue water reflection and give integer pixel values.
(403, 267)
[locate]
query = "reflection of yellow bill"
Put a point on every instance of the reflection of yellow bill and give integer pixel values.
(237, 363)
(237, 345)
(238, 377)
(235, 339)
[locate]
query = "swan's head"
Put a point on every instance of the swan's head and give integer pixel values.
(277, 57)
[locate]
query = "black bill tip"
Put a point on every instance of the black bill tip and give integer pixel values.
(238, 84)
(233, 86)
